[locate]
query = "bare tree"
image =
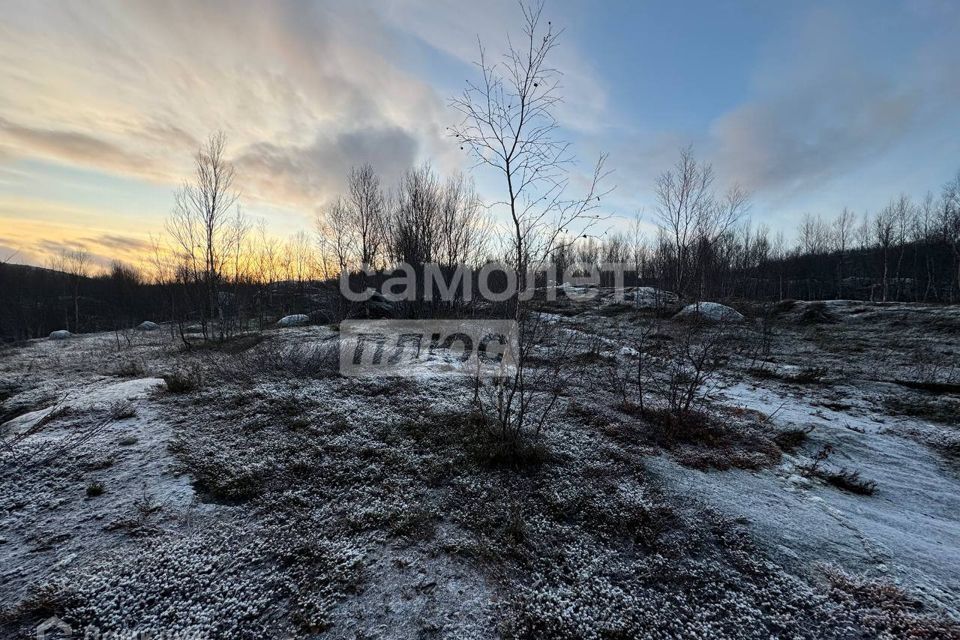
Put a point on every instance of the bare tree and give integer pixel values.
(814, 235)
(842, 239)
(864, 232)
(693, 217)
(240, 268)
(301, 262)
(923, 234)
(884, 225)
(264, 268)
(415, 227)
(616, 249)
(950, 222)
(587, 254)
(903, 217)
(779, 254)
(199, 224)
(683, 199)
(368, 213)
(509, 126)
(76, 263)
(335, 237)
(465, 229)
(639, 251)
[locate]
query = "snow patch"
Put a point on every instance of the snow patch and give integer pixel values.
(712, 311)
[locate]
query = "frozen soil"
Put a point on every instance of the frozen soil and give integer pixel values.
(271, 498)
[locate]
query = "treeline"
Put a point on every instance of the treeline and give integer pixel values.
(906, 251)
(217, 273)
(37, 301)
(704, 247)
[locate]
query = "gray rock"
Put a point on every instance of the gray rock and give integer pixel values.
(710, 312)
(295, 320)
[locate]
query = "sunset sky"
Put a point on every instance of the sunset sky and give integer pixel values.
(813, 106)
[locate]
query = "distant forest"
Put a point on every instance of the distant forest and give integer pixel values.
(225, 275)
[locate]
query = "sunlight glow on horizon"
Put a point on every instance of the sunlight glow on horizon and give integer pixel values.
(813, 107)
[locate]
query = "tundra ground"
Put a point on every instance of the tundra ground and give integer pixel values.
(250, 491)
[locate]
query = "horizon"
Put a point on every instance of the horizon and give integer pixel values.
(811, 107)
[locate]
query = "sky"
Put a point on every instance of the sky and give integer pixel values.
(812, 106)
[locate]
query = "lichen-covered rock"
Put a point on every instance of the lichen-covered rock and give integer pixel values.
(710, 312)
(60, 334)
(295, 320)
(147, 325)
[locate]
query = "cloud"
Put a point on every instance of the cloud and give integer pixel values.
(133, 87)
(103, 250)
(824, 104)
(41, 229)
(833, 116)
(456, 28)
(78, 148)
(117, 242)
(18, 255)
(805, 136)
(306, 175)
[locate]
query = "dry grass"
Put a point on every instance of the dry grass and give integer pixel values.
(850, 481)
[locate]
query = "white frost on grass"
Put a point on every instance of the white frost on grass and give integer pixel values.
(909, 530)
(47, 519)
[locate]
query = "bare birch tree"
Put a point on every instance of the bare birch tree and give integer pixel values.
(693, 217)
(200, 222)
(509, 126)
(334, 237)
(842, 239)
(367, 213)
(884, 225)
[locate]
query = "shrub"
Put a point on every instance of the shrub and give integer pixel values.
(56, 412)
(851, 481)
(813, 469)
(524, 453)
(182, 381)
(122, 409)
(276, 359)
(680, 374)
(692, 427)
(809, 375)
(886, 610)
(806, 375)
(792, 439)
(94, 489)
(145, 506)
(129, 369)
(816, 313)
(943, 409)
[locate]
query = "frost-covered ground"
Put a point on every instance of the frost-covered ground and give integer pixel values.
(254, 493)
